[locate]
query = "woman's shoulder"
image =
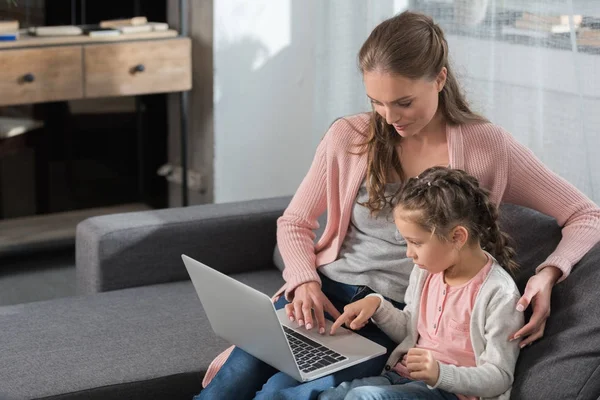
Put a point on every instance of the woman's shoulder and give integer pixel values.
(349, 130)
(483, 133)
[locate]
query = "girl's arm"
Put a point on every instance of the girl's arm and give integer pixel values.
(394, 322)
(494, 374)
(533, 185)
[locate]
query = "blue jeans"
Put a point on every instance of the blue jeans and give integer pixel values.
(389, 386)
(246, 377)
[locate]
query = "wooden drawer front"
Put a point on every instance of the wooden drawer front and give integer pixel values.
(138, 67)
(39, 75)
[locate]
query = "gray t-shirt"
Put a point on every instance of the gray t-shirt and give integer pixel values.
(373, 252)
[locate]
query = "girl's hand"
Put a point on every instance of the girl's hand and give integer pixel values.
(309, 297)
(537, 293)
(357, 314)
(423, 366)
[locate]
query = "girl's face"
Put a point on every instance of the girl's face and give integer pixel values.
(407, 104)
(427, 250)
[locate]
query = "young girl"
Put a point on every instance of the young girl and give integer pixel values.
(460, 303)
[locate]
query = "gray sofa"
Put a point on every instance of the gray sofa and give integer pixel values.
(138, 331)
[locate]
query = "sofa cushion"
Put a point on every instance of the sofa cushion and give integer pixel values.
(151, 342)
(565, 363)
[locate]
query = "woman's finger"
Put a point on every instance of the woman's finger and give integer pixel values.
(298, 311)
(525, 300)
(528, 329)
(539, 316)
(307, 314)
(289, 310)
(533, 337)
(319, 316)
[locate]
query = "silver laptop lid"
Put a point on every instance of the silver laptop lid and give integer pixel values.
(249, 320)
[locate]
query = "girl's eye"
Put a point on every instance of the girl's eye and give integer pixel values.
(405, 105)
(375, 103)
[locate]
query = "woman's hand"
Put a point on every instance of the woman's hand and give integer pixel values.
(537, 293)
(309, 297)
(357, 314)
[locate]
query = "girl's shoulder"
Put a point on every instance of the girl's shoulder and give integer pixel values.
(499, 283)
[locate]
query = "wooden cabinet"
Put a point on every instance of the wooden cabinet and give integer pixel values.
(51, 69)
(80, 69)
(40, 75)
(123, 69)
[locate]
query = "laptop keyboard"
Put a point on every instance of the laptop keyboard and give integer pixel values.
(309, 354)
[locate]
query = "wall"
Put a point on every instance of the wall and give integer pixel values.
(264, 84)
(280, 79)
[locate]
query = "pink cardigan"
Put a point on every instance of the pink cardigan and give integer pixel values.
(509, 170)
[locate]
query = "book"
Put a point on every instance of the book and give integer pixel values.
(125, 29)
(589, 42)
(542, 27)
(59, 30)
(116, 23)
(508, 30)
(9, 25)
(551, 19)
(149, 27)
(9, 36)
(97, 31)
(159, 26)
(589, 34)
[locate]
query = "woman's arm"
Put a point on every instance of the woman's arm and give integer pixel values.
(532, 184)
(295, 236)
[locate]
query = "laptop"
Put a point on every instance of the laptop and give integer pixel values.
(247, 318)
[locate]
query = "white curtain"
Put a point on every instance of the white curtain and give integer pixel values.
(524, 64)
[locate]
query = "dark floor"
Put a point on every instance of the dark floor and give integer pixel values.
(39, 276)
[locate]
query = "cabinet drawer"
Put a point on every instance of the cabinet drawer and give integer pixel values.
(118, 69)
(39, 75)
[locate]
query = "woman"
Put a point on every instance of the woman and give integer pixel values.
(419, 120)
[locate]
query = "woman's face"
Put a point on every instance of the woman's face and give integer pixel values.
(407, 104)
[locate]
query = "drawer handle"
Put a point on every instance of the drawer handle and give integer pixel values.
(139, 68)
(28, 78)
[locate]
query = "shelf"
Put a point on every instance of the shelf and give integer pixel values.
(26, 40)
(499, 22)
(522, 65)
(57, 229)
(588, 8)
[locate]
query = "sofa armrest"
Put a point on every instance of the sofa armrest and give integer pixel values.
(144, 248)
